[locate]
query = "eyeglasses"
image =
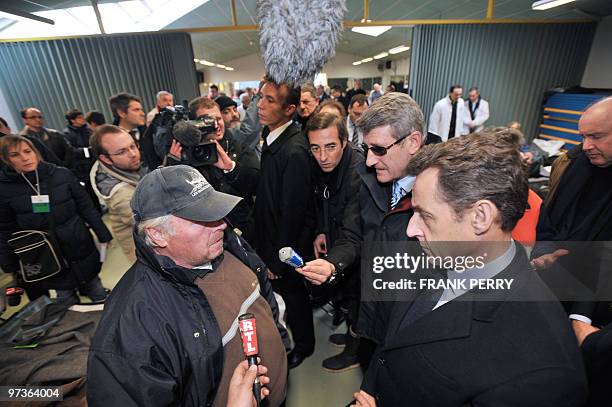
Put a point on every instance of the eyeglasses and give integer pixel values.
(329, 148)
(34, 117)
(123, 152)
(378, 150)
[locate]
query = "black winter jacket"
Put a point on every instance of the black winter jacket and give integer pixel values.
(71, 207)
(78, 138)
(377, 223)
(337, 209)
(158, 343)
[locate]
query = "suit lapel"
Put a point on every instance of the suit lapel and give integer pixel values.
(452, 320)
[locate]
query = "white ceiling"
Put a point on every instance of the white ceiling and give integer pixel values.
(224, 46)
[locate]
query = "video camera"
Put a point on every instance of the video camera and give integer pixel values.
(191, 134)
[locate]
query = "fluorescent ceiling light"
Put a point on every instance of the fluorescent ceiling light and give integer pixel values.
(229, 68)
(207, 63)
(399, 49)
(546, 4)
(373, 31)
(196, 60)
(120, 17)
(367, 60)
(357, 63)
(220, 66)
(381, 55)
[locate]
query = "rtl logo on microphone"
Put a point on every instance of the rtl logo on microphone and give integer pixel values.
(249, 336)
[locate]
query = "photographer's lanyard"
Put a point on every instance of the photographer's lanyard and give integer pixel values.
(40, 203)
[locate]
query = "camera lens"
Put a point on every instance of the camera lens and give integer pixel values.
(201, 153)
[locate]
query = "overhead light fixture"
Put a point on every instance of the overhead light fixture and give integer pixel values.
(119, 16)
(367, 60)
(357, 63)
(381, 55)
(196, 60)
(373, 31)
(207, 63)
(399, 49)
(220, 66)
(548, 4)
(229, 68)
(17, 15)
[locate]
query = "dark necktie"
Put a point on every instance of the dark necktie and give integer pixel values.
(453, 122)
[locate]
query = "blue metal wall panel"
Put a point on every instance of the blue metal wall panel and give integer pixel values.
(511, 64)
(57, 75)
(561, 114)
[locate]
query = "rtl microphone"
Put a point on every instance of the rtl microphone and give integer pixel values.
(248, 333)
(289, 256)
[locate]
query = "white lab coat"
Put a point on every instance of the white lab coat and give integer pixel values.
(439, 121)
(482, 115)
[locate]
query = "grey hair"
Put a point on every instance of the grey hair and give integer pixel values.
(163, 93)
(394, 109)
(161, 223)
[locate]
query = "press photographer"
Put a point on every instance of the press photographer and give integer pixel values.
(206, 145)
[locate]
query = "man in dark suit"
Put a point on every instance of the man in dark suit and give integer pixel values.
(130, 116)
(494, 344)
(280, 209)
(578, 208)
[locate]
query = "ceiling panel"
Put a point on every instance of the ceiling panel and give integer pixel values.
(220, 47)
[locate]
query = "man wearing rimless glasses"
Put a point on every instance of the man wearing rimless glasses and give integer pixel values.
(393, 133)
(52, 139)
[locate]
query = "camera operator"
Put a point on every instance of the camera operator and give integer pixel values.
(235, 171)
(245, 133)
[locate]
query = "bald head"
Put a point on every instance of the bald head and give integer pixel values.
(595, 127)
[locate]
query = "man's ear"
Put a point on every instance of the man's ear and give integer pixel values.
(105, 159)
(290, 110)
(484, 215)
(157, 237)
(415, 140)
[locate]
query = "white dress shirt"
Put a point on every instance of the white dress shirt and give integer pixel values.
(274, 134)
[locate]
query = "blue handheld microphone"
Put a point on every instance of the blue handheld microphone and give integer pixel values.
(288, 256)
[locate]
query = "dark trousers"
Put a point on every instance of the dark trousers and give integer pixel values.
(292, 288)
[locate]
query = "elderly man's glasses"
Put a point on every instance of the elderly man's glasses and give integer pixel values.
(380, 151)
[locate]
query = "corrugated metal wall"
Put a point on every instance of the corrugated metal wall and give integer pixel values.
(511, 64)
(84, 72)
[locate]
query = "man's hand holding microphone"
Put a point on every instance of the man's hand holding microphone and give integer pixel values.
(317, 272)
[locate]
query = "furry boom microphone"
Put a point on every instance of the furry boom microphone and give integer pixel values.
(298, 37)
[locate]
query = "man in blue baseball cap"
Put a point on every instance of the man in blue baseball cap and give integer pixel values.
(169, 334)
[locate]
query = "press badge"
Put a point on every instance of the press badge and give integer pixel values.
(40, 204)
